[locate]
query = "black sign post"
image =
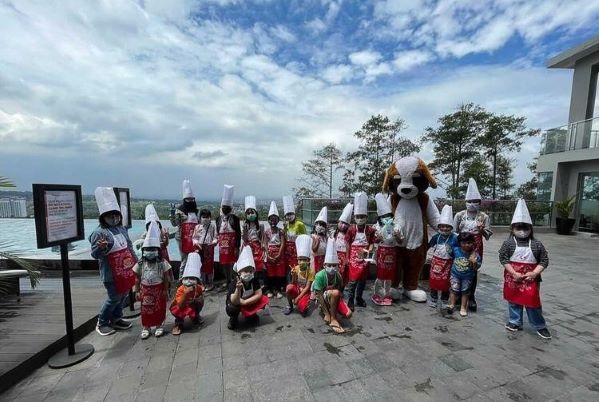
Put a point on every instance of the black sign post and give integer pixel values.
(58, 213)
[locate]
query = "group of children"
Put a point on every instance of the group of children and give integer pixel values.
(325, 268)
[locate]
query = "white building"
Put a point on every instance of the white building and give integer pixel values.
(13, 208)
(5, 208)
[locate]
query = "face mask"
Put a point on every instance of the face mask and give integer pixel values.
(226, 210)
(330, 270)
(445, 232)
(342, 226)
(361, 221)
(251, 217)
(320, 229)
(112, 220)
(290, 217)
(189, 282)
(303, 266)
(472, 206)
(387, 221)
(246, 276)
(151, 255)
(522, 234)
(205, 221)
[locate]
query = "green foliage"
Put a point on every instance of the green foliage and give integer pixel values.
(565, 207)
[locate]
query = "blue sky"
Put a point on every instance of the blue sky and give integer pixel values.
(142, 94)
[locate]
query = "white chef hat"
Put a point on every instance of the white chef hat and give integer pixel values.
(521, 214)
(472, 191)
(303, 245)
(246, 259)
(193, 266)
(187, 191)
(250, 202)
(273, 209)
(151, 214)
(446, 216)
(360, 203)
(331, 255)
(383, 207)
(322, 216)
(288, 206)
(227, 199)
(152, 236)
(346, 214)
(106, 200)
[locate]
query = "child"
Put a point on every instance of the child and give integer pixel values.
(185, 217)
(302, 276)
(152, 215)
(244, 295)
(341, 242)
(319, 239)
(204, 240)
(152, 283)
(524, 258)
(474, 221)
(361, 240)
(328, 288)
(229, 234)
(252, 235)
(189, 299)
(274, 239)
(442, 244)
(466, 263)
(293, 227)
(386, 254)
(111, 246)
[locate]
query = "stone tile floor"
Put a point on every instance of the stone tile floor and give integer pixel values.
(406, 352)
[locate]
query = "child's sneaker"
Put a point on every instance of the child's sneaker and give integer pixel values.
(288, 310)
(433, 303)
(544, 333)
(463, 313)
(513, 327)
(159, 332)
(121, 324)
(387, 301)
(145, 333)
(104, 329)
(176, 331)
(378, 300)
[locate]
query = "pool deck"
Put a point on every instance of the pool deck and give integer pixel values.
(408, 352)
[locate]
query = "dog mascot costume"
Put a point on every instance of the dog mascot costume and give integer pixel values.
(407, 181)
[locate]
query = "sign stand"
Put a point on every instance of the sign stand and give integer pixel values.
(58, 221)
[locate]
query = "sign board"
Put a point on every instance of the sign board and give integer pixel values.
(58, 211)
(124, 200)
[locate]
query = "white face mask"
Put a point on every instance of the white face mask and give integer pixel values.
(361, 221)
(472, 206)
(189, 281)
(445, 232)
(330, 270)
(290, 217)
(246, 276)
(151, 254)
(205, 221)
(522, 234)
(320, 229)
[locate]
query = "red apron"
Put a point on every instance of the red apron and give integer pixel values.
(293, 291)
(440, 268)
(207, 258)
(121, 263)
(358, 268)
(318, 262)
(153, 305)
(341, 247)
(290, 254)
(386, 263)
(258, 253)
(276, 269)
(226, 244)
(186, 229)
(471, 226)
(523, 293)
(248, 311)
(318, 259)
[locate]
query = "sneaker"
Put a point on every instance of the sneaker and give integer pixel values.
(121, 324)
(360, 302)
(159, 332)
(176, 331)
(104, 329)
(288, 310)
(432, 303)
(387, 301)
(232, 323)
(378, 300)
(145, 333)
(513, 327)
(472, 306)
(544, 333)
(279, 295)
(463, 313)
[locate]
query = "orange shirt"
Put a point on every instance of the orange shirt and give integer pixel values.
(181, 293)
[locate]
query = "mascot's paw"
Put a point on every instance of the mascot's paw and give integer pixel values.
(416, 295)
(395, 293)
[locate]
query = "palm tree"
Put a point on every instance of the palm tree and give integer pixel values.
(15, 255)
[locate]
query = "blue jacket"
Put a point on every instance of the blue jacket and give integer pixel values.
(101, 254)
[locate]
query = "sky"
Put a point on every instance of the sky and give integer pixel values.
(143, 94)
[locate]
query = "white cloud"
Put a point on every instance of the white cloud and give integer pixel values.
(365, 57)
(407, 60)
(339, 73)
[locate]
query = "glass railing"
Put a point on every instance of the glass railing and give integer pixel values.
(578, 135)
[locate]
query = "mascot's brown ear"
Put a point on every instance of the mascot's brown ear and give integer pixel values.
(426, 173)
(389, 174)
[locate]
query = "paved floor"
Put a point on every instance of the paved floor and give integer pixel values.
(406, 352)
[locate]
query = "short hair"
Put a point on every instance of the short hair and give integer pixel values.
(205, 212)
(465, 236)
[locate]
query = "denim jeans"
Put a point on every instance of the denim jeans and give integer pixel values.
(535, 316)
(112, 309)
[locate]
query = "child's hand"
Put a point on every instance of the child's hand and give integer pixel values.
(529, 276)
(102, 243)
(517, 277)
(472, 259)
(138, 295)
(239, 284)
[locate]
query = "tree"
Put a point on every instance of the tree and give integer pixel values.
(476, 167)
(504, 174)
(454, 143)
(528, 189)
(318, 173)
(502, 134)
(380, 143)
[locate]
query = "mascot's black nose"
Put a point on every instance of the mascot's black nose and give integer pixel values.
(406, 190)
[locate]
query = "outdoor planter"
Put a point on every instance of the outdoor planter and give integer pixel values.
(564, 226)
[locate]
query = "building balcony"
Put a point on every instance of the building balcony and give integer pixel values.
(570, 137)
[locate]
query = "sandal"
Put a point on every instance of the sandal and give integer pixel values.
(145, 333)
(337, 328)
(159, 332)
(176, 330)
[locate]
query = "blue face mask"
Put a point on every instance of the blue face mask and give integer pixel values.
(151, 255)
(387, 221)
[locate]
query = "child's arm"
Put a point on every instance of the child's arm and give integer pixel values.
(164, 238)
(136, 288)
(282, 249)
(315, 243)
(255, 298)
(305, 290)
(504, 258)
(543, 262)
(236, 296)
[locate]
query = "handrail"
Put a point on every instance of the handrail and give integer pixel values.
(581, 134)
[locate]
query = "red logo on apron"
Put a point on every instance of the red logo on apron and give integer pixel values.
(207, 255)
(439, 273)
(187, 237)
(226, 247)
(524, 293)
(153, 305)
(290, 254)
(258, 253)
(121, 263)
(386, 263)
(276, 268)
(358, 268)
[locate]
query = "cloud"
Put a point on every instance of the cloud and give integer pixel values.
(364, 57)
(407, 60)
(209, 155)
(338, 73)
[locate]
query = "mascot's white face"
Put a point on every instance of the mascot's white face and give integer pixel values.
(408, 170)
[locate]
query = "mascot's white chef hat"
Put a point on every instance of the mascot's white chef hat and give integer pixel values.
(193, 266)
(361, 203)
(227, 195)
(106, 200)
(288, 207)
(246, 259)
(187, 191)
(250, 202)
(303, 244)
(153, 236)
(521, 214)
(273, 209)
(446, 216)
(346, 214)
(331, 255)
(322, 216)
(472, 191)
(151, 214)
(383, 207)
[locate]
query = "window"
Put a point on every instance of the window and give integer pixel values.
(544, 186)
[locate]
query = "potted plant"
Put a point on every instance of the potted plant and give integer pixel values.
(563, 222)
